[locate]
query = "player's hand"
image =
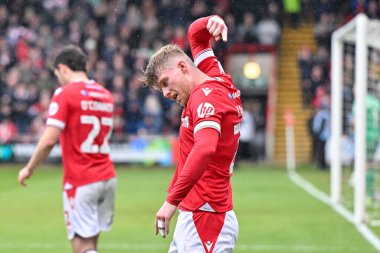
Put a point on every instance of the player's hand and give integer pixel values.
(24, 174)
(217, 28)
(163, 217)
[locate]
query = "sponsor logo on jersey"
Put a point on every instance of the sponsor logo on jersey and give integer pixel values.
(234, 95)
(208, 245)
(84, 93)
(206, 91)
(185, 122)
(205, 110)
(239, 109)
(53, 108)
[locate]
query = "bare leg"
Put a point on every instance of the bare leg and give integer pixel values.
(80, 244)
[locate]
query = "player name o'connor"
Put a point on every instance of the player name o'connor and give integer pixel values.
(96, 106)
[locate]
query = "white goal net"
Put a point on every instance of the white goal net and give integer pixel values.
(355, 108)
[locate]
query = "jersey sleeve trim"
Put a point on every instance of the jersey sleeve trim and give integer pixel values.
(203, 55)
(56, 123)
(207, 124)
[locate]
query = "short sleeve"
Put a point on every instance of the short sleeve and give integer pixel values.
(207, 108)
(58, 109)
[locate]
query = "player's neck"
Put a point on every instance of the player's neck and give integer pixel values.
(201, 78)
(78, 77)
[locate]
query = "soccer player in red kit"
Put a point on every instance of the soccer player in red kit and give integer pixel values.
(209, 133)
(80, 116)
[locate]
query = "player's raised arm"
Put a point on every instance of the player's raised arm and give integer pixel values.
(200, 33)
(202, 30)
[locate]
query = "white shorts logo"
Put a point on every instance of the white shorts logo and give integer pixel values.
(53, 108)
(205, 110)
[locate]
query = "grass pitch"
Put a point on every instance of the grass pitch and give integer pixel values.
(274, 214)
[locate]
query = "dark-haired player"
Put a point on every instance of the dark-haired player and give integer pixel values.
(80, 116)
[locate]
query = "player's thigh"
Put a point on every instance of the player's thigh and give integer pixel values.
(228, 235)
(81, 210)
(185, 238)
(107, 204)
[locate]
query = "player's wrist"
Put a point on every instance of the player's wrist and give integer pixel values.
(30, 168)
(172, 202)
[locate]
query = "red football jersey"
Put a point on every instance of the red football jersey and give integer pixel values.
(83, 110)
(213, 104)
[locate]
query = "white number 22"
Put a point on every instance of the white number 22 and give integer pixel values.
(88, 145)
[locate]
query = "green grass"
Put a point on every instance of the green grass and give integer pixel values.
(321, 180)
(274, 214)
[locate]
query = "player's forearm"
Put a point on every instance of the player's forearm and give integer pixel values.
(44, 146)
(40, 154)
(198, 35)
(206, 141)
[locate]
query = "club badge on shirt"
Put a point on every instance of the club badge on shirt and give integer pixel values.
(53, 108)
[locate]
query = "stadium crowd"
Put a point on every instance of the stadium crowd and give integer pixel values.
(118, 36)
(315, 69)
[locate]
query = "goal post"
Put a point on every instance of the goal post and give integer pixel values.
(363, 33)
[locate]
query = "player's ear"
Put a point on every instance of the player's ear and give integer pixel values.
(63, 68)
(182, 66)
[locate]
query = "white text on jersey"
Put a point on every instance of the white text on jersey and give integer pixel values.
(234, 94)
(96, 106)
(185, 122)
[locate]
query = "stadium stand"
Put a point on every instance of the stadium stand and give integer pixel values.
(118, 36)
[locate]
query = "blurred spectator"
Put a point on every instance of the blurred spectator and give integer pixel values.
(305, 61)
(173, 121)
(152, 114)
(268, 31)
(180, 37)
(258, 143)
(247, 132)
(40, 108)
(322, 57)
(22, 99)
(317, 79)
(8, 130)
(274, 12)
(323, 29)
(323, 7)
(199, 9)
(247, 31)
(321, 130)
(232, 28)
(373, 11)
(292, 8)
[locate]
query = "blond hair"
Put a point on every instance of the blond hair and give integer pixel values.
(158, 62)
